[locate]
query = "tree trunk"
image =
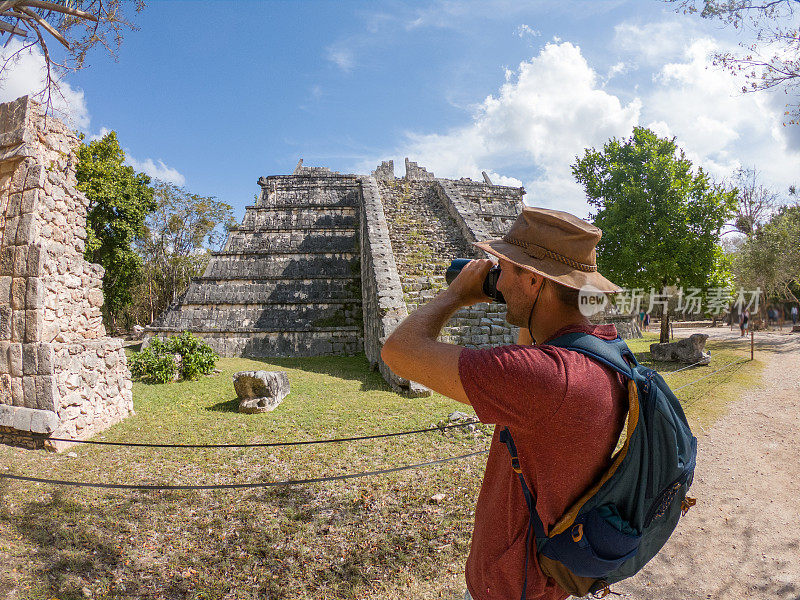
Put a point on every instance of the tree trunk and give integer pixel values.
(664, 327)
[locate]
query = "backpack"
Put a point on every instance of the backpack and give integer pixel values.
(625, 518)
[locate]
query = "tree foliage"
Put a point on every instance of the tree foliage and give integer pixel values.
(770, 258)
(119, 202)
(770, 58)
(661, 221)
(175, 243)
(78, 25)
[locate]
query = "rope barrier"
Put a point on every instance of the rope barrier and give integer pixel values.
(699, 362)
(233, 486)
(735, 362)
(245, 445)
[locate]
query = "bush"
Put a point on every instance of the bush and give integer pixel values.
(156, 364)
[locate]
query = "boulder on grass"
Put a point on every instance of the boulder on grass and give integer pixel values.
(260, 391)
(688, 350)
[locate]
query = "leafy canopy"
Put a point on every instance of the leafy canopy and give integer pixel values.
(119, 202)
(661, 220)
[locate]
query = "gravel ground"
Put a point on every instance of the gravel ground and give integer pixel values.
(742, 540)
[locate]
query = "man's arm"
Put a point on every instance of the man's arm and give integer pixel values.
(412, 350)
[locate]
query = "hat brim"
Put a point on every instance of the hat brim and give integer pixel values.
(548, 267)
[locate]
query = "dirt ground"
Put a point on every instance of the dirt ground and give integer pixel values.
(742, 540)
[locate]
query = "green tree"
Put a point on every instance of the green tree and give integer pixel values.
(661, 221)
(770, 258)
(176, 242)
(119, 202)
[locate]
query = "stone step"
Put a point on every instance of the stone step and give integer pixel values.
(293, 241)
(256, 265)
(280, 290)
(312, 196)
(263, 317)
(282, 343)
(293, 218)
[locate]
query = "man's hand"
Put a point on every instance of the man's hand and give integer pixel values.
(467, 288)
(413, 352)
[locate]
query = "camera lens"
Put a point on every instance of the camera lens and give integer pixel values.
(489, 284)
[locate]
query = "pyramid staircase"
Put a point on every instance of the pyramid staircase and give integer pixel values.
(287, 282)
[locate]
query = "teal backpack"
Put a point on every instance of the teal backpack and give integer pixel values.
(624, 519)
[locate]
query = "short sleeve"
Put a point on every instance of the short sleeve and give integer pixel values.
(513, 385)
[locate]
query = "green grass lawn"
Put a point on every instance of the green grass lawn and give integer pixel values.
(377, 537)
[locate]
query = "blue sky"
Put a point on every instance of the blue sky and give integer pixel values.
(215, 95)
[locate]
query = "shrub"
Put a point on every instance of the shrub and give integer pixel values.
(156, 364)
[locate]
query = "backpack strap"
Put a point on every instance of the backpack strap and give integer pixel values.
(535, 525)
(612, 353)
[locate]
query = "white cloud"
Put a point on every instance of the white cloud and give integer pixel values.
(342, 57)
(526, 30)
(104, 131)
(719, 127)
(25, 75)
(157, 171)
(654, 43)
(550, 108)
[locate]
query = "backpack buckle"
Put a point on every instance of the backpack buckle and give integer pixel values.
(686, 504)
(515, 465)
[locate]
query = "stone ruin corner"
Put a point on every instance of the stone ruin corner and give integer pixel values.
(60, 374)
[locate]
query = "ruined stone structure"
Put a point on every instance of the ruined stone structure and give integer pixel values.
(326, 263)
(59, 373)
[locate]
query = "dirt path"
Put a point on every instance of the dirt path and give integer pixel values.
(742, 540)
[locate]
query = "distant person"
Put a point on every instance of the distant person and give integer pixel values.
(794, 315)
(744, 318)
(641, 317)
(646, 320)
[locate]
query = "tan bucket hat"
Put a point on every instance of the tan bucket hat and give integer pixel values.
(555, 244)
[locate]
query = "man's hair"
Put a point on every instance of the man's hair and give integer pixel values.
(566, 295)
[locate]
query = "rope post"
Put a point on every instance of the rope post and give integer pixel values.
(752, 337)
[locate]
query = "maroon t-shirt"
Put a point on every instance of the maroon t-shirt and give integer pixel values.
(565, 413)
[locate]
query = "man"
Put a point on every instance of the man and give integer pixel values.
(564, 410)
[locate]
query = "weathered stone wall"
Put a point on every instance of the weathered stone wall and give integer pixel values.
(59, 373)
(431, 223)
(382, 292)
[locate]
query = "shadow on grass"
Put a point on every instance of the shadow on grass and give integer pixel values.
(277, 544)
(225, 406)
(353, 368)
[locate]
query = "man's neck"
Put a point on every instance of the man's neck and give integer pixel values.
(543, 331)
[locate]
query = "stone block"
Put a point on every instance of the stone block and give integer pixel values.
(7, 261)
(29, 390)
(20, 261)
(14, 205)
(15, 359)
(46, 358)
(18, 326)
(18, 290)
(44, 421)
(17, 391)
(5, 322)
(35, 177)
(35, 257)
(45, 396)
(5, 390)
(24, 234)
(30, 201)
(5, 289)
(30, 359)
(10, 228)
(4, 363)
(33, 325)
(33, 293)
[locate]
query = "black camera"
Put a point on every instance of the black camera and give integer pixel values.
(489, 284)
